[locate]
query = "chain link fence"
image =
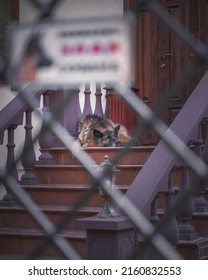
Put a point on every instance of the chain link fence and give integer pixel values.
(149, 120)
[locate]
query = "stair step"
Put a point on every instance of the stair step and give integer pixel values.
(200, 222)
(21, 242)
(18, 217)
(135, 155)
(65, 194)
(62, 185)
(194, 250)
(76, 174)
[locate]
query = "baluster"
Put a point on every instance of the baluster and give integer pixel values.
(170, 229)
(72, 112)
(98, 105)
(148, 250)
(153, 214)
(205, 150)
(28, 154)
(9, 199)
(111, 104)
(46, 137)
(185, 212)
(200, 203)
(87, 104)
(168, 226)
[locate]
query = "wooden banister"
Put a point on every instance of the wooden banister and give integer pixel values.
(13, 113)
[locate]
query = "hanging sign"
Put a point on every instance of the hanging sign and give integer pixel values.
(72, 52)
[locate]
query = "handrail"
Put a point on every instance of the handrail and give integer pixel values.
(12, 113)
(154, 175)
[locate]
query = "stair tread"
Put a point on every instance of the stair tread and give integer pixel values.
(38, 232)
(25, 257)
(200, 214)
(193, 242)
(65, 186)
(79, 166)
(160, 211)
(105, 149)
(51, 208)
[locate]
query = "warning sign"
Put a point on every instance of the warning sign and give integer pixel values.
(72, 52)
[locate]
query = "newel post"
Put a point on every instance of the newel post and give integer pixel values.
(109, 235)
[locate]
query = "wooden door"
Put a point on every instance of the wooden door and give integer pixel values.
(159, 63)
(161, 57)
(172, 59)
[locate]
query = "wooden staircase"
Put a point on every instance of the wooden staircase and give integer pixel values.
(61, 185)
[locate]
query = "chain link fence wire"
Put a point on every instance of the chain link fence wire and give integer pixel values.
(149, 120)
